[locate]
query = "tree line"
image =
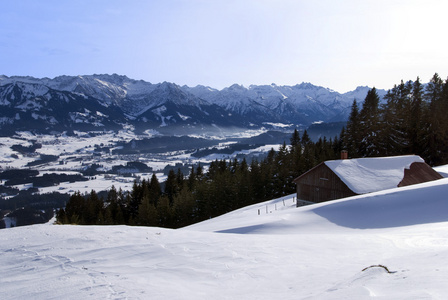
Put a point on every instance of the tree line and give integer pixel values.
(224, 186)
(412, 120)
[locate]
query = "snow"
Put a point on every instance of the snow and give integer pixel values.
(279, 125)
(257, 151)
(243, 133)
(5, 120)
(366, 175)
(442, 170)
(270, 250)
(183, 117)
(158, 111)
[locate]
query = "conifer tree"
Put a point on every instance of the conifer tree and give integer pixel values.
(94, 206)
(257, 181)
(191, 180)
(370, 129)
(244, 188)
(184, 210)
(154, 190)
(179, 180)
(305, 138)
(74, 208)
(111, 211)
(435, 132)
(61, 217)
(416, 121)
(134, 200)
(199, 172)
(352, 134)
(171, 186)
(295, 139)
(164, 212)
(147, 213)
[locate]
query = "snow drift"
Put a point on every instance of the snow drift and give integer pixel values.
(271, 250)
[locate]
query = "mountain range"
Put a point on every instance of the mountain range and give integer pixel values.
(114, 102)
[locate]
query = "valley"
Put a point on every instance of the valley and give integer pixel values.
(92, 132)
(36, 167)
(77, 154)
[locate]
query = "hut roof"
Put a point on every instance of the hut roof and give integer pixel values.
(366, 175)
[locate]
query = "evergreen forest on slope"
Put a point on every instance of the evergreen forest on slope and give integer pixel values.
(412, 120)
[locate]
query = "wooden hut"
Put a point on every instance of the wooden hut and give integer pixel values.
(349, 177)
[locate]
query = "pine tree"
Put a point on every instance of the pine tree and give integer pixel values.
(94, 206)
(75, 208)
(155, 190)
(179, 180)
(394, 134)
(435, 132)
(191, 181)
(370, 127)
(305, 139)
(184, 208)
(295, 139)
(352, 134)
(112, 195)
(416, 119)
(147, 213)
(244, 188)
(199, 172)
(257, 181)
(171, 186)
(111, 211)
(61, 217)
(164, 212)
(134, 200)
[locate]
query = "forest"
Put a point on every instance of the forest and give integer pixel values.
(410, 120)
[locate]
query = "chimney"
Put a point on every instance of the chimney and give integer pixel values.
(344, 154)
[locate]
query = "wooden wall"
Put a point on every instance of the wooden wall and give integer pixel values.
(419, 172)
(321, 184)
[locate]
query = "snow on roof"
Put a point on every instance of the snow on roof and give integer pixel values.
(366, 175)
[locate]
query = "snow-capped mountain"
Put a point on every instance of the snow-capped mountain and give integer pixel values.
(34, 106)
(300, 104)
(105, 102)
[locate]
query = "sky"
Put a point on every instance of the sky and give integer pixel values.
(336, 44)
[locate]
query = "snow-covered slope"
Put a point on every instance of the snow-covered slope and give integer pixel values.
(270, 250)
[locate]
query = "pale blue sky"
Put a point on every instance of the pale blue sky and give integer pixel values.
(335, 44)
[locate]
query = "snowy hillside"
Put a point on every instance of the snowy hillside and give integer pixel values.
(271, 250)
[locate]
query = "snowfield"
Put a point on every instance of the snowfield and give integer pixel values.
(270, 250)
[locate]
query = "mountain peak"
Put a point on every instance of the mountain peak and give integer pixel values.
(236, 87)
(129, 99)
(306, 85)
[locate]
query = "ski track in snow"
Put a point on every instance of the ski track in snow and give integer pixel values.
(270, 250)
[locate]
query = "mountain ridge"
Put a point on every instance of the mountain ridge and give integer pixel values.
(166, 106)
